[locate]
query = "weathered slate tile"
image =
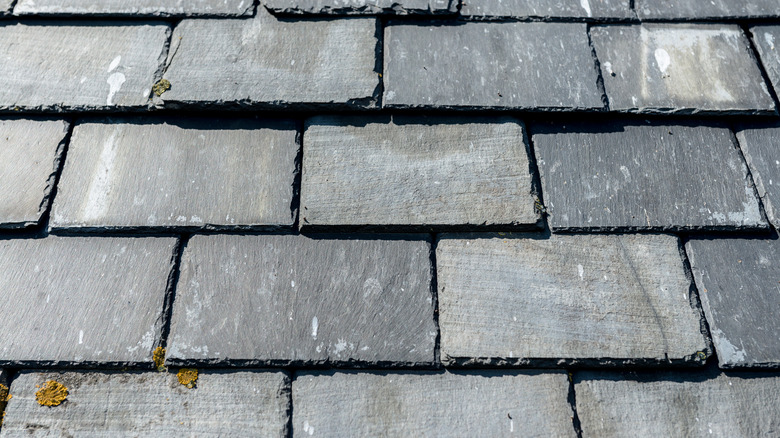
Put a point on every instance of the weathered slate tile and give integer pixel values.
(697, 10)
(519, 299)
(764, 38)
(738, 281)
(416, 171)
(546, 9)
(71, 299)
(431, 404)
(193, 172)
(152, 404)
(278, 299)
(644, 176)
(760, 147)
(113, 68)
(136, 7)
(680, 68)
(358, 7)
(5, 7)
(533, 66)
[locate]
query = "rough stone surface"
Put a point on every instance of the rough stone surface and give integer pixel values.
(287, 298)
(114, 65)
(104, 404)
(680, 68)
(696, 9)
(357, 7)
(760, 147)
(764, 38)
(739, 284)
(642, 176)
(209, 173)
(30, 151)
(432, 404)
(75, 300)
(509, 299)
(5, 7)
(135, 7)
(533, 66)
(414, 171)
(547, 9)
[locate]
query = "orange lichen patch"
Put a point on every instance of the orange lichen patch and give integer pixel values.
(158, 356)
(188, 377)
(52, 394)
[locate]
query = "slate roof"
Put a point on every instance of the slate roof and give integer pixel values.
(395, 218)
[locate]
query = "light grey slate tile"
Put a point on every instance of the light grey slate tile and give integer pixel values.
(362, 404)
(416, 171)
(5, 7)
(739, 285)
(761, 147)
(635, 176)
(764, 38)
(113, 67)
(520, 299)
(105, 404)
(30, 152)
(211, 173)
(135, 7)
(547, 9)
(75, 300)
(278, 299)
(696, 10)
(358, 7)
(680, 68)
(534, 66)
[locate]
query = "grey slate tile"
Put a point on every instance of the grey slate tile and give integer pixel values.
(760, 148)
(738, 282)
(278, 299)
(5, 7)
(152, 404)
(136, 7)
(416, 171)
(643, 176)
(362, 404)
(114, 65)
(600, 9)
(534, 66)
(358, 7)
(521, 299)
(30, 152)
(176, 172)
(680, 68)
(697, 10)
(76, 300)
(764, 38)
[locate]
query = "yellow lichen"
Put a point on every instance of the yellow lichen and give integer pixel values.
(52, 394)
(158, 356)
(187, 377)
(161, 87)
(4, 397)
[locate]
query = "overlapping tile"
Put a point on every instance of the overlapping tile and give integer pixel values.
(764, 38)
(358, 7)
(759, 145)
(597, 9)
(136, 7)
(696, 10)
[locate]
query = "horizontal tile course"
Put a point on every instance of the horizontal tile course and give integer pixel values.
(759, 146)
(695, 9)
(547, 9)
(135, 7)
(358, 7)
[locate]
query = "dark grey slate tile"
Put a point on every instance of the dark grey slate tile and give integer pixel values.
(30, 151)
(152, 404)
(359, 7)
(416, 171)
(547, 9)
(680, 68)
(177, 173)
(520, 299)
(277, 299)
(634, 176)
(760, 147)
(697, 10)
(431, 404)
(738, 282)
(136, 7)
(71, 299)
(534, 66)
(764, 38)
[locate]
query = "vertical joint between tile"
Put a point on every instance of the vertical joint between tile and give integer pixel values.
(597, 65)
(170, 290)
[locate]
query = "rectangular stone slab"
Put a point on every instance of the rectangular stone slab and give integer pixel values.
(644, 176)
(109, 404)
(680, 68)
(359, 7)
(279, 299)
(416, 171)
(531, 66)
(759, 145)
(431, 404)
(135, 7)
(696, 9)
(80, 300)
(178, 172)
(524, 299)
(547, 9)
(764, 38)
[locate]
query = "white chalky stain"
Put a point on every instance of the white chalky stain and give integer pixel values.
(308, 428)
(586, 5)
(581, 271)
(100, 188)
(770, 39)
(81, 337)
(663, 59)
(115, 82)
(315, 325)
(114, 64)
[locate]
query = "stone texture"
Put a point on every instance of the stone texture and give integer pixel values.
(135, 7)
(738, 281)
(518, 299)
(764, 38)
(760, 148)
(77, 300)
(697, 10)
(643, 176)
(5, 7)
(547, 9)
(680, 68)
(416, 171)
(357, 7)
(278, 299)
(30, 152)
(114, 66)
(353, 404)
(532, 66)
(104, 404)
(211, 173)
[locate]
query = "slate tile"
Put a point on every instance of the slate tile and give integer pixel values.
(152, 404)
(738, 281)
(416, 172)
(697, 10)
(30, 151)
(760, 148)
(114, 65)
(5, 7)
(520, 299)
(431, 404)
(597, 9)
(359, 7)
(680, 68)
(158, 8)
(82, 300)
(644, 176)
(532, 66)
(279, 299)
(764, 38)
(178, 172)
